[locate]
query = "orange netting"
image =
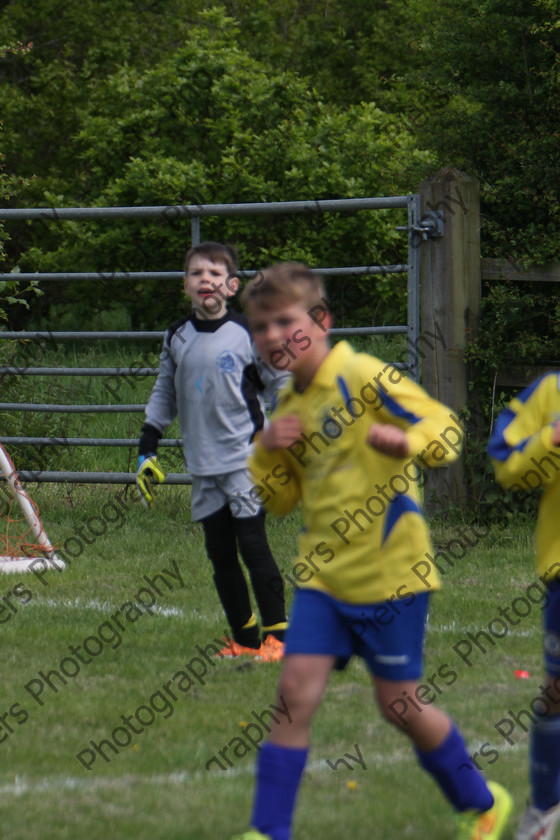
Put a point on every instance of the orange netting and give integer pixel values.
(16, 534)
(17, 537)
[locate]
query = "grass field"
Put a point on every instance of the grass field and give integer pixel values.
(156, 784)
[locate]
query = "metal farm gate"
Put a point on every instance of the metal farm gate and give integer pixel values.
(416, 230)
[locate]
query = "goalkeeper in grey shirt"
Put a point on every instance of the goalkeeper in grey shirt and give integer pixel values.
(210, 377)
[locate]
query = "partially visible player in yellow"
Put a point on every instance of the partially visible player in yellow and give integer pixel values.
(525, 451)
(349, 438)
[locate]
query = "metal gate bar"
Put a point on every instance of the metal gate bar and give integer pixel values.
(193, 212)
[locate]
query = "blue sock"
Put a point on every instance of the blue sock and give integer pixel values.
(279, 771)
(458, 778)
(544, 761)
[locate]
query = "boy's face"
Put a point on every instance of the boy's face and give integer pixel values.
(289, 338)
(209, 286)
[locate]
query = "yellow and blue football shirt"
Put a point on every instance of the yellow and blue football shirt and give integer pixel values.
(364, 530)
(524, 458)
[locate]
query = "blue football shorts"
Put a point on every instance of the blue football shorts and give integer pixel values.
(387, 635)
(551, 628)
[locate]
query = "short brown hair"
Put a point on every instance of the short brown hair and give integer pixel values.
(215, 252)
(284, 284)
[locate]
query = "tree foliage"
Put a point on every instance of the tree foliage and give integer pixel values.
(207, 123)
(11, 292)
(494, 67)
(188, 102)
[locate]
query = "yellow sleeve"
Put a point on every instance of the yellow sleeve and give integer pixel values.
(272, 472)
(435, 433)
(522, 434)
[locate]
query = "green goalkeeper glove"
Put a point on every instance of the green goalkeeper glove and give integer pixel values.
(149, 471)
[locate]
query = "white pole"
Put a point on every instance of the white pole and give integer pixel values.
(9, 472)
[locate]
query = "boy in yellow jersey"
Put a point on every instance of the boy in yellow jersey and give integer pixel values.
(525, 451)
(350, 437)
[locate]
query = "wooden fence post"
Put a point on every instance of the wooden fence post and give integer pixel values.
(449, 310)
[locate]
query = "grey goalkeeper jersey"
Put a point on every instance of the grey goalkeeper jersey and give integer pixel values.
(211, 378)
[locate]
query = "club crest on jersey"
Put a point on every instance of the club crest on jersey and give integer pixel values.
(329, 425)
(226, 361)
(552, 644)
